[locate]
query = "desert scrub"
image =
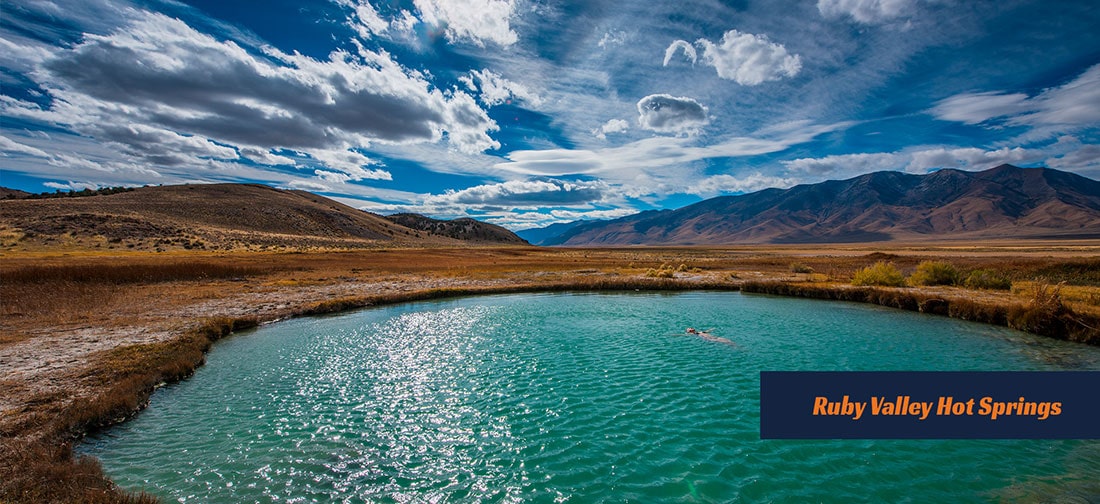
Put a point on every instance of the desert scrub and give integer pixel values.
(881, 273)
(797, 267)
(665, 271)
(934, 273)
(987, 279)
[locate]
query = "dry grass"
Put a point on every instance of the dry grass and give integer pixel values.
(44, 293)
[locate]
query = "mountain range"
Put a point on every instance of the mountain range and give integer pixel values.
(1002, 202)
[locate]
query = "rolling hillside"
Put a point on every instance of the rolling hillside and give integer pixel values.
(203, 216)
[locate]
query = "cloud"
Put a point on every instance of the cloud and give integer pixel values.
(745, 58)
(1066, 107)
(975, 108)
(265, 156)
(365, 19)
(159, 76)
(844, 165)
(349, 162)
(655, 154)
(1087, 156)
(1075, 103)
(71, 186)
(496, 90)
(476, 21)
(671, 114)
(680, 45)
(611, 126)
(724, 184)
(612, 38)
(162, 146)
(968, 158)
(552, 192)
(10, 146)
(865, 11)
(918, 160)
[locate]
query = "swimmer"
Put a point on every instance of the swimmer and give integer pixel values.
(708, 336)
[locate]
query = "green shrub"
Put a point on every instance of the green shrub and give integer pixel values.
(934, 273)
(987, 279)
(880, 273)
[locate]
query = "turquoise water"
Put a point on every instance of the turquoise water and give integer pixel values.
(574, 398)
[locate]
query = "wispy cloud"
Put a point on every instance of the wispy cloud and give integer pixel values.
(656, 154)
(495, 90)
(1074, 104)
(866, 11)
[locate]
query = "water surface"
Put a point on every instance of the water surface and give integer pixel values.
(574, 398)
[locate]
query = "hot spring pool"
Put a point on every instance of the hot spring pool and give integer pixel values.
(577, 398)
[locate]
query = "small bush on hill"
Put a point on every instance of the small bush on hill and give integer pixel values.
(880, 273)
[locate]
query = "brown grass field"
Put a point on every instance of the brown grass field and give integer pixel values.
(87, 334)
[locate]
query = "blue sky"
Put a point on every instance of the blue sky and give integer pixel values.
(524, 113)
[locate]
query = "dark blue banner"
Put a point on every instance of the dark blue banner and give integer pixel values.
(930, 405)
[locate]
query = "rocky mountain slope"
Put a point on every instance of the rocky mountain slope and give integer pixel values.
(1003, 202)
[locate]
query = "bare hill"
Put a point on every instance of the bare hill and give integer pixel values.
(214, 216)
(465, 229)
(1003, 202)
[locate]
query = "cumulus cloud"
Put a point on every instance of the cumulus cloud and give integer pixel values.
(476, 21)
(680, 45)
(724, 184)
(744, 58)
(495, 90)
(169, 94)
(865, 11)
(671, 114)
(528, 193)
(611, 126)
(1074, 104)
